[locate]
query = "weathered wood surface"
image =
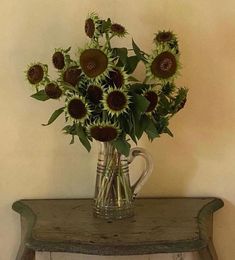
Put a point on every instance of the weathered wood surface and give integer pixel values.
(160, 225)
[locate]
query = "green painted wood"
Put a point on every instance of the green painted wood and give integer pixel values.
(160, 225)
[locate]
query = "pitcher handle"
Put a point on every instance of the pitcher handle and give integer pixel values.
(138, 151)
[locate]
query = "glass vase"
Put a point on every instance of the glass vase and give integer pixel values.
(114, 194)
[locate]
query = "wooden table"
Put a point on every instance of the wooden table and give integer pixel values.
(160, 225)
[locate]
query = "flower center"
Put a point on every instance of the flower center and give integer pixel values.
(164, 36)
(93, 62)
(95, 93)
(72, 75)
(89, 28)
(91, 65)
(164, 65)
(117, 28)
(53, 91)
(35, 74)
(116, 100)
(58, 60)
(77, 109)
(104, 133)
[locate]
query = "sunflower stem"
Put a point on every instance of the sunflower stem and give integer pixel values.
(108, 40)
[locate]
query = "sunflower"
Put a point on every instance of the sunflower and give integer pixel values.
(95, 62)
(164, 37)
(117, 78)
(72, 74)
(95, 93)
(36, 73)
(152, 97)
(118, 30)
(58, 58)
(104, 131)
(53, 91)
(116, 101)
(163, 65)
(92, 24)
(77, 109)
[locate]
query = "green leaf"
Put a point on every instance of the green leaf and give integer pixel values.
(67, 50)
(121, 53)
(122, 146)
(131, 64)
(151, 129)
(139, 126)
(54, 116)
(72, 140)
(137, 51)
(40, 95)
(167, 131)
(141, 103)
(85, 143)
(83, 137)
(133, 79)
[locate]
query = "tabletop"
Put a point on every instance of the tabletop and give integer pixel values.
(160, 225)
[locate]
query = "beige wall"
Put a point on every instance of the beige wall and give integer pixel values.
(37, 162)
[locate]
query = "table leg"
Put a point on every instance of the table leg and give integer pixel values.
(208, 253)
(26, 254)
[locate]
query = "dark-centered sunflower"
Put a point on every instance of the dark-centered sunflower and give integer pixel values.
(104, 131)
(77, 109)
(92, 24)
(53, 91)
(36, 73)
(95, 63)
(116, 101)
(163, 65)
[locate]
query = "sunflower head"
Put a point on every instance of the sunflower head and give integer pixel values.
(163, 65)
(77, 109)
(118, 30)
(94, 93)
(71, 75)
(116, 101)
(95, 63)
(164, 36)
(117, 78)
(53, 91)
(58, 60)
(91, 26)
(104, 131)
(152, 97)
(36, 73)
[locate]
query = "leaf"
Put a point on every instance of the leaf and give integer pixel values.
(72, 140)
(121, 53)
(131, 64)
(83, 137)
(139, 126)
(54, 116)
(167, 131)
(141, 103)
(137, 51)
(122, 146)
(67, 50)
(40, 95)
(85, 143)
(151, 129)
(133, 79)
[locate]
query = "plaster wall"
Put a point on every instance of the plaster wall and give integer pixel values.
(38, 162)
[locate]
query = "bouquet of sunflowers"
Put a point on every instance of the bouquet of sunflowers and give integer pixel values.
(102, 100)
